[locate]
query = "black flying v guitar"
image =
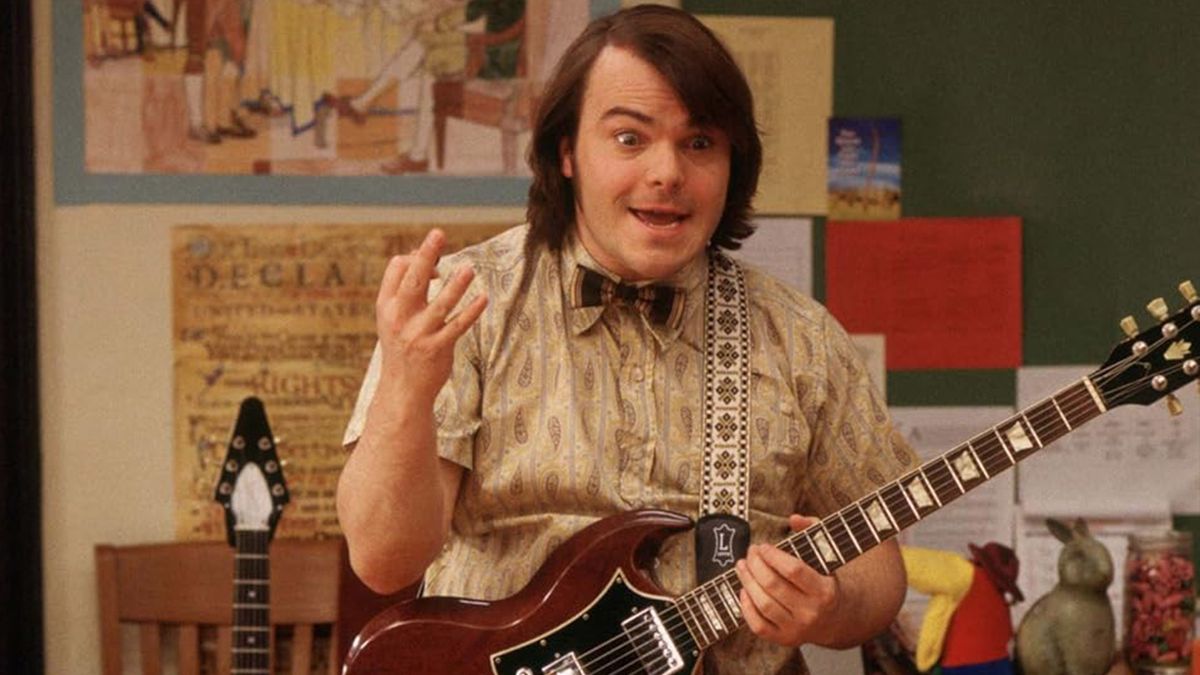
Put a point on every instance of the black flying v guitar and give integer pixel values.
(593, 609)
(252, 491)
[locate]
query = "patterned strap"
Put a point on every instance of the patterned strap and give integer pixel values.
(726, 391)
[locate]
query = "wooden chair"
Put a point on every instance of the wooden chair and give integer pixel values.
(507, 105)
(185, 589)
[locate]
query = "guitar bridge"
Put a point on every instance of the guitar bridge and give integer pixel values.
(652, 643)
(564, 665)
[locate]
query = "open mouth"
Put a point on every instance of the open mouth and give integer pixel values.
(655, 218)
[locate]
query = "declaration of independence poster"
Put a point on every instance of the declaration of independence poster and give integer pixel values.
(284, 313)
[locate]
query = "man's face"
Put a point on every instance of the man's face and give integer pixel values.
(649, 184)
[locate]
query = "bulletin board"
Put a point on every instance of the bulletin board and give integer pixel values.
(1080, 122)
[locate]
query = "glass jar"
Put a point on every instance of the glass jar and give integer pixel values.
(1160, 602)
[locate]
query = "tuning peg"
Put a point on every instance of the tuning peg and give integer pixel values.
(1188, 291)
(1129, 325)
(1174, 406)
(1158, 308)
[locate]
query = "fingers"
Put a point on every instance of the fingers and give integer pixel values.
(783, 599)
(413, 286)
(436, 317)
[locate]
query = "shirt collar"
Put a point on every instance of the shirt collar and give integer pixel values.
(689, 280)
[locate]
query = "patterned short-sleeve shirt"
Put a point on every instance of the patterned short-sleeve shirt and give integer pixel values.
(562, 416)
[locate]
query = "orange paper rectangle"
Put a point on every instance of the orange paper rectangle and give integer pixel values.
(945, 291)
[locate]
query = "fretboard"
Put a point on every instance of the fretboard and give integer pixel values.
(251, 602)
(711, 611)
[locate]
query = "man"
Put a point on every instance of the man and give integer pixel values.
(483, 439)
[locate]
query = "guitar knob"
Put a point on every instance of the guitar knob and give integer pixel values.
(1129, 325)
(1174, 406)
(1158, 309)
(1189, 292)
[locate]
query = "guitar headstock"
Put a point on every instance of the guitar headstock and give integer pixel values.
(251, 487)
(1152, 363)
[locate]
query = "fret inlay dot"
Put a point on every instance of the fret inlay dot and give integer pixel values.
(824, 547)
(1018, 438)
(920, 496)
(878, 519)
(965, 466)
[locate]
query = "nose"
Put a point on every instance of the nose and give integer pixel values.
(665, 168)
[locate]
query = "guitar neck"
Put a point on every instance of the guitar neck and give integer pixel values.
(251, 601)
(711, 611)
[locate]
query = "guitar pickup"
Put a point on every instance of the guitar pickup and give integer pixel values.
(651, 642)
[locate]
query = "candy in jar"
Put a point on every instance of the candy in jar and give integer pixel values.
(1160, 600)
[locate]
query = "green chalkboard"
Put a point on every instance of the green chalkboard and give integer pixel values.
(1082, 118)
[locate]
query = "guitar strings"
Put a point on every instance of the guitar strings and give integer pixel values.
(251, 563)
(672, 617)
(1075, 400)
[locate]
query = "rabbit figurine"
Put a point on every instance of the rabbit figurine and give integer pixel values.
(1070, 630)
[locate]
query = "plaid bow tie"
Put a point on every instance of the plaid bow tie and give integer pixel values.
(660, 303)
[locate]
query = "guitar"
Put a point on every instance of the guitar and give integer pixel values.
(593, 609)
(252, 491)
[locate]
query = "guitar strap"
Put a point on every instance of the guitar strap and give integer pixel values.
(723, 531)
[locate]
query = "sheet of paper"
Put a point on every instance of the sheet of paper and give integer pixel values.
(783, 248)
(945, 291)
(985, 514)
(1038, 552)
(1131, 459)
(873, 350)
(789, 63)
(864, 168)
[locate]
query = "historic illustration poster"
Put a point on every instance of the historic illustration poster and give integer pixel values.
(328, 87)
(284, 313)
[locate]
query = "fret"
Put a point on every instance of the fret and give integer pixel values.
(978, 463)
(1011, 460)
(1096, 398)
(841, 538)
(728, 595)
(941, 481)
(689, 620)
(710, 613)
(1080, 403)
(823, 542)
(712, 593)
(856, 522)
(950, 469)
(879, 516)
(1032, 432)
(255, 616)
(1060, 413)
(250, 637)
(901, 509)
(917, 491)
(863, 514)
(995, 459)
(806, 552)
(853, 539)
(1051, 423)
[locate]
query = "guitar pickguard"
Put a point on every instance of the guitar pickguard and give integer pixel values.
(619, 631)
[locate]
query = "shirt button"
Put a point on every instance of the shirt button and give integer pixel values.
(637, 375)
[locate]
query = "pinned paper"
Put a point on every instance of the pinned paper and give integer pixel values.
(946, 292)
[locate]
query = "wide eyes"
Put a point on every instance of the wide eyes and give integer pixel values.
(628, 139)
(631, 139)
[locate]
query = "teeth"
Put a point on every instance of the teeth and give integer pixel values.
(656, 218)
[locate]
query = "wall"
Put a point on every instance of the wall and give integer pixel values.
(1082, 123)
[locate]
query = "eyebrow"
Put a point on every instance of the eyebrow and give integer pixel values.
(617, 111)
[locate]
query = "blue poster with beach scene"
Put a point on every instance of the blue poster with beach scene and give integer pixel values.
(864, 168)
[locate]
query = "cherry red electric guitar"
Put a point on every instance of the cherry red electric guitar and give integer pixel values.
(592, 608)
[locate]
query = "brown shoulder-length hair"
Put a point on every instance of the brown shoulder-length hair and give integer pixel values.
(703, 74)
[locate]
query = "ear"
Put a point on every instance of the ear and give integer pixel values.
(1060, 531)
(1081, 527)
(566, 159)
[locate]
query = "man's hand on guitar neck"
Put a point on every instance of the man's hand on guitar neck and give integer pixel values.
(789, 603)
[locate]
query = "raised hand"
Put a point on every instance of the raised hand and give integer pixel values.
(417, 335)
